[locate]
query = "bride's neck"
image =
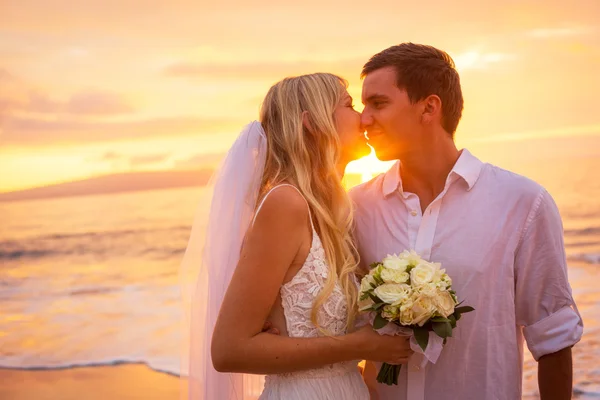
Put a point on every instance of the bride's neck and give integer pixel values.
(341, 168)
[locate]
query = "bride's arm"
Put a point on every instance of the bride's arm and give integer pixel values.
(270, 247)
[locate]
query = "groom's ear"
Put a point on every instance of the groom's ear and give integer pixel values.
(432, 109)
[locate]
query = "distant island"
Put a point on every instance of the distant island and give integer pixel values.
(115, 183)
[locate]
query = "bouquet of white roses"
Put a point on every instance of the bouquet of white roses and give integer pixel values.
(412, 293)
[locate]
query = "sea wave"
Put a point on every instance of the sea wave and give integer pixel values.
(590, 258)
(165, 369)
(589, 231)
(155, 243)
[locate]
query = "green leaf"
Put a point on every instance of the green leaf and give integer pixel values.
(452, 321)
(442, 329)
(464, 310)
(439, 319)
(379, 322)
(422, 336)
(375, 299)
(374, 265)
(364, 296)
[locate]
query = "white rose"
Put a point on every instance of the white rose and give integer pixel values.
(365, 283)
(394, 276)
(439, 273)
(429, 289)
(423, 309)
(444, 303)
(393, 293)
(395, 263)
(365, 286)
(376, 272)
(447, 280)
(411, 257)
(390, 312)
(406, 316)
(422, 274)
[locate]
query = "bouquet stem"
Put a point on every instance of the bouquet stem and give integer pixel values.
(388, 374)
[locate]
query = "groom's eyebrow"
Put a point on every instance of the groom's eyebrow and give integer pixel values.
(375, 97)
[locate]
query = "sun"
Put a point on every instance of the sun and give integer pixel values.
(364, 169)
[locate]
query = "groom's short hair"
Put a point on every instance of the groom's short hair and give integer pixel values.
(423, 70)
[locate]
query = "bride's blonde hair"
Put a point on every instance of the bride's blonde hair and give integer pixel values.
(306, 158)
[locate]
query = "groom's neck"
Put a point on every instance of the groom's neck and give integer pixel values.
(424, 170)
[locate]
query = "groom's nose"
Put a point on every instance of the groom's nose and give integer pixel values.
(366, 119)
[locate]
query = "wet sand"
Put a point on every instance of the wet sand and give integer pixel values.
(126, 381)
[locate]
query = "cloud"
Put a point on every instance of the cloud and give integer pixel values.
(200, 160)
(110, 156)
(147, 159)
(347, 68)
(97, 103)
(592, 130)
(480, 60)
(19, 96)
(5, 75)
(137, 160)
(35, 131)
(549, 33)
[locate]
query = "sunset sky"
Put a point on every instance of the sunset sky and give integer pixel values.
(97, 87)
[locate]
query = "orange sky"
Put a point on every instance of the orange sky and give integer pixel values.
(97, 87)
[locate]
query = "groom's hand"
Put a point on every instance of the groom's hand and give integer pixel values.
(269, 328)
(393, 350)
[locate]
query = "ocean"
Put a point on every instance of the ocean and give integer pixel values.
(94, 280)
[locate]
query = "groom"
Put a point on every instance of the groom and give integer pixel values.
(497, 234)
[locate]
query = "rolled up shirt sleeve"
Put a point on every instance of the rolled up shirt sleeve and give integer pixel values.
(544, 302)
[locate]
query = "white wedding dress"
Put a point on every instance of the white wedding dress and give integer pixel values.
(341, 381)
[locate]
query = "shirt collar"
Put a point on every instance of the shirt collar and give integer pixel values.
(468, 167)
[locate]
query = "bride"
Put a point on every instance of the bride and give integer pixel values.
(278, 248)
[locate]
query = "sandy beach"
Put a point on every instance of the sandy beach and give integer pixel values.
(122, 382)
(104, 294)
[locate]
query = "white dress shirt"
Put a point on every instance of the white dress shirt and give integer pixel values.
(500, 238)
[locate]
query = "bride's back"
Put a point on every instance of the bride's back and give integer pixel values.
(305, 279)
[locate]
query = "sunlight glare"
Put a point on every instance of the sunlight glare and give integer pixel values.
(368, 166)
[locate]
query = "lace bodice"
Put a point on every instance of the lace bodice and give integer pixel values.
(299, 295)
(334, 381)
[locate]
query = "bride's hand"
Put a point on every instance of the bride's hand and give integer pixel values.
(383, 348)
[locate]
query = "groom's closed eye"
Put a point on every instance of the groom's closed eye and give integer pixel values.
(376, 101)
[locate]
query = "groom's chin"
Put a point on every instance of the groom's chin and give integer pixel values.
(382, 155)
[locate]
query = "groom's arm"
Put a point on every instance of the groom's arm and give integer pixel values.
(370, 377)
(555, 375)
(544, 304)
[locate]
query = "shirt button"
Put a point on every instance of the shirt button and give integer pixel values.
(413, 213)
(417, 368)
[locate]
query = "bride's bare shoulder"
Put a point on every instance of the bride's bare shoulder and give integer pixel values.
(283, 205)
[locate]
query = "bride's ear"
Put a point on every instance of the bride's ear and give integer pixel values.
(306, 121)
